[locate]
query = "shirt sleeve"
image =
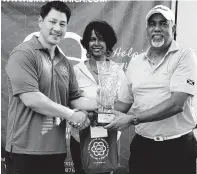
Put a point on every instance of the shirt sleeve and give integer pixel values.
(22, 73)
(185, 74)
(74, 90)
(125, 92)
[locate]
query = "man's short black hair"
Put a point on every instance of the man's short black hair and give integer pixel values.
(101, 28)
(57, 5)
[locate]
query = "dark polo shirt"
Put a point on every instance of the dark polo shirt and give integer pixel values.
(30, 69)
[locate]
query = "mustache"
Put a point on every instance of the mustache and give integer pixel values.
(157, 34)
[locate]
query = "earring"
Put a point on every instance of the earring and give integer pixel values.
(88, 54)
(108, 53)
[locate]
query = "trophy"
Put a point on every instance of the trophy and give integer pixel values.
(108, 81)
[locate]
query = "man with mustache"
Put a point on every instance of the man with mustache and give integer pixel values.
(160, 91)
(42, 85)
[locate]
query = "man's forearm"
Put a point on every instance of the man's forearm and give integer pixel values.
(166, 109)
(121, 106)
(159, 112)
(84, 104)
(40, 103)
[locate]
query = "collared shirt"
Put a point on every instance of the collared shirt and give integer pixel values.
(30, 69)
(148, 86)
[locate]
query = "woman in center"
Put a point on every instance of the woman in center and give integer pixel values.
(98, 39)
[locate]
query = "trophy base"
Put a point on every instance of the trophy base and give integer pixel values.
(98, 118)
(105, 117)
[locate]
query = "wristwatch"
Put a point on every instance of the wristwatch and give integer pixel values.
(135, 120)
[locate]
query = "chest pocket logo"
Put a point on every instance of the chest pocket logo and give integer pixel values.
(64, 70)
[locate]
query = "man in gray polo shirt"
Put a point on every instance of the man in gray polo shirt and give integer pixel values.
(42, 85)
(160, 88)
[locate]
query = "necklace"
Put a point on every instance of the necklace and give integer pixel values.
(92, 68)
(151, 61)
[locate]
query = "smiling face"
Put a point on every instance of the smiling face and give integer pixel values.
(97, 45)
(53, 27)
(160, 31)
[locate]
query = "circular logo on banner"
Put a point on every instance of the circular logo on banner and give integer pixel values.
(98, 148)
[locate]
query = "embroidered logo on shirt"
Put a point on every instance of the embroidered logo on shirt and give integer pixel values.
(191, 82)
(63, 70)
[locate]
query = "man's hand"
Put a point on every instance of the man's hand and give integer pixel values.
(79, 120)
(120, 122)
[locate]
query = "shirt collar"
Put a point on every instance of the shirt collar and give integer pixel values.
(38, 46)
(173, 47)
(85, 70)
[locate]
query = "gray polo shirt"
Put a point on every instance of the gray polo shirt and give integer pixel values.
(30, 69)
(149, 86)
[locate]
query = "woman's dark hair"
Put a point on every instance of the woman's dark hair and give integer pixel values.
(57, 5)
(101, 28)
